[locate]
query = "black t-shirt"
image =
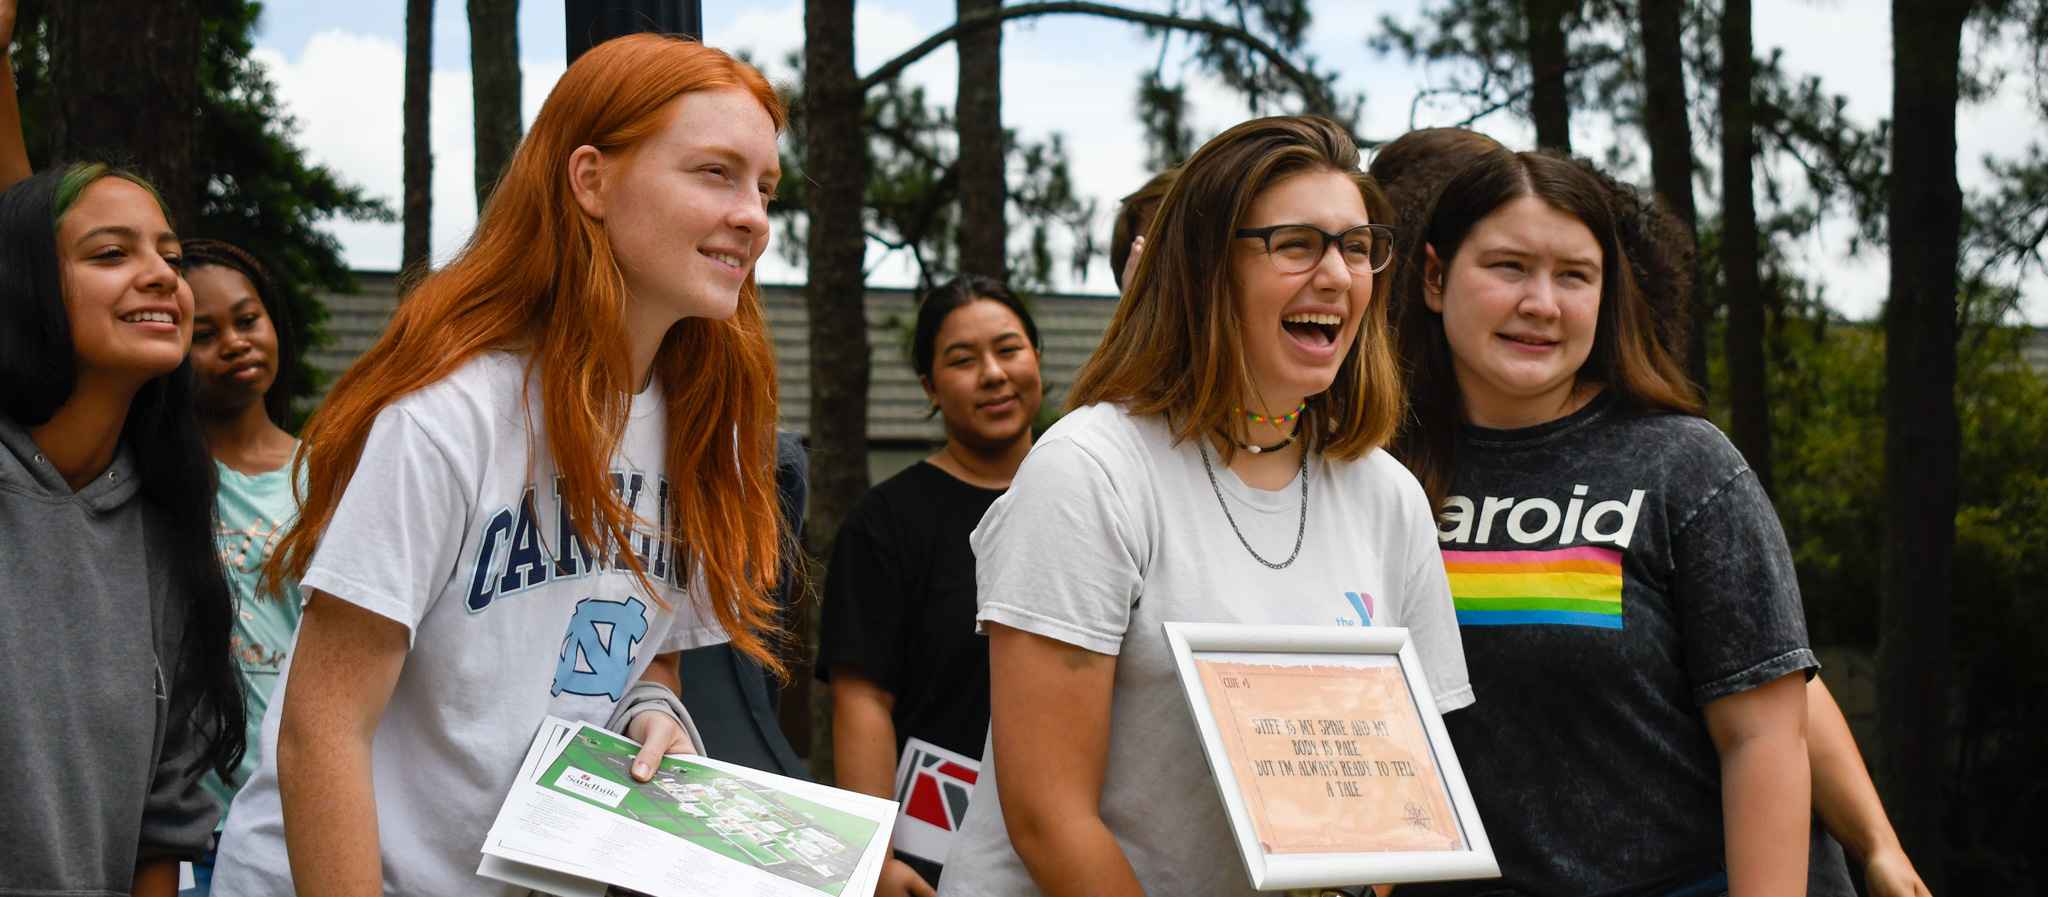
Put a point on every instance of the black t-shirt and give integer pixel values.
(1613, 573)
(899, 604)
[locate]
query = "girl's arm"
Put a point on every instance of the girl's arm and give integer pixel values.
(659, 733)
(864, 759)
(344, 667)
(13, 147)
(156, 878)
(863, 733)
(1765, 789)
(1049, 712)
(1847, 801)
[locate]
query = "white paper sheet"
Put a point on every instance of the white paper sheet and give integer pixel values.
(701, 827)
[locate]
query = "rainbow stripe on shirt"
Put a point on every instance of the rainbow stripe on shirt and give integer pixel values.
(1578, 586)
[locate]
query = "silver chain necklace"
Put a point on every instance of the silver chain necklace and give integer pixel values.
(1300, 528)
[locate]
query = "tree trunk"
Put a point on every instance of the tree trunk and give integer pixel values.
(1667, 126)
(835, 171)
(1549, 101)
(1742, 292)
(418, 211)
(979, 114)
(1921, 432)
(124, 89)
(494, 83)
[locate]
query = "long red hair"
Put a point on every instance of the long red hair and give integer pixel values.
(538, 278)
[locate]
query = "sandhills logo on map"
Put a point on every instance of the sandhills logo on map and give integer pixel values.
(601, 790)
(933, 786)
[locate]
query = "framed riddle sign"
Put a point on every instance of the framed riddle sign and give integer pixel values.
(1329, 754)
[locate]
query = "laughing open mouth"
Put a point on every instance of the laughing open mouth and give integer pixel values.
(1314, 329)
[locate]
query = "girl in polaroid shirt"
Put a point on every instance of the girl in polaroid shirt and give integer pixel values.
(550, 474)
(1628, 603)
(1221, 464)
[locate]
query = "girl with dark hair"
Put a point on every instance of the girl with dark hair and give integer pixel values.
(551, 475)
(1661, 261)
(121, 694)
(897, 638)
(242, 360)
(1603, 536)
(1221, 463)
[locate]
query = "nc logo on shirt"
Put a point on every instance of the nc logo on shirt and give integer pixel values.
(597, 654)
(1361, 602)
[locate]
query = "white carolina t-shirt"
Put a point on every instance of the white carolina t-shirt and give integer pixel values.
(451, 527)
(1107, 531)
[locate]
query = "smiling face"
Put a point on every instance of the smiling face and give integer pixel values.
(686, 210)
(130, 312)
(1519, 301)
(984, 376)
(1297, 329)
(234, 346)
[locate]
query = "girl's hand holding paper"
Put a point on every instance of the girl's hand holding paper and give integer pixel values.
(658, 734)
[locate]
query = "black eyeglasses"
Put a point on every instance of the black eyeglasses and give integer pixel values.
(1295, 248)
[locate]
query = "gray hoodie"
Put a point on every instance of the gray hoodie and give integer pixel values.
(92, 755)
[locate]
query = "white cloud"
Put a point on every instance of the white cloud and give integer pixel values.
(347, 92)
(1077, 76)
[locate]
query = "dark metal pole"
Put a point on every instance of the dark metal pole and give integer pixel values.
(592, 22)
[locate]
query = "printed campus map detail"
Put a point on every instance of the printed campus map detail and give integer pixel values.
(699, 827)
(796, 839)
(1330, 758)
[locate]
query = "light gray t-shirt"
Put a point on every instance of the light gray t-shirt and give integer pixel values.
(1108, 530)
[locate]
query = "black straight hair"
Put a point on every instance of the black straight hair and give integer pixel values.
(177, 479)
(1627, 359)
(277, 401)
(960, 291)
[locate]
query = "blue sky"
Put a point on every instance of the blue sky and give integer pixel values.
(339, 66)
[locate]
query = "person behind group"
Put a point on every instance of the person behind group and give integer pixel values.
(552, 474)
(115, 620)
(243, 356)
(1627, 599)
(897, 641)
(1133, 221)
(735, 702)
(1411, 168)
(1221, 463)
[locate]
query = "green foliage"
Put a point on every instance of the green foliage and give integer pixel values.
(1486, 46)
(1826, 386)
(262, 194)
(1162, 101)
(912, 196)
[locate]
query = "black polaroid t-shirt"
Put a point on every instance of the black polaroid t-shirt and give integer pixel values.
(899, 604)
(1613, 573)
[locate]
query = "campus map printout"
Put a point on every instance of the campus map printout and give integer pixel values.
(576, 824)
(1331, 756)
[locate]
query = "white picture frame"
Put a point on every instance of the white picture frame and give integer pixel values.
(1307, 647)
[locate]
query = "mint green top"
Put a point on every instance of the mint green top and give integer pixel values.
(255, 514)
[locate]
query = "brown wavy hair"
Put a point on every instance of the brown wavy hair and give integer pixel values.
(1172, 347)
(538, 278)
(1133, 217)
(1627, 358)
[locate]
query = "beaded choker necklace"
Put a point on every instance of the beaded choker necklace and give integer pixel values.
(1276, 421)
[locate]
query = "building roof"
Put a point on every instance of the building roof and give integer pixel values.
(1071, 327)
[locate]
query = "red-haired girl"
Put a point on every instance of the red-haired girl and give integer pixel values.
(551, 473)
